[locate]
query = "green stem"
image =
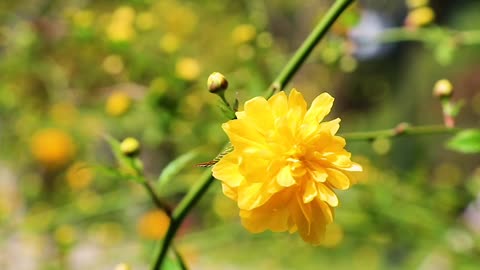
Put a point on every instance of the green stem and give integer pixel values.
(180, 212)
(307, 46)
(156, 200)
(196, 192)
(400, 130)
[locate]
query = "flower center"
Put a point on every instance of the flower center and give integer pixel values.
(295, 158)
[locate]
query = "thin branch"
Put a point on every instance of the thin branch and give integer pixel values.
(307, 46)
(162, 205)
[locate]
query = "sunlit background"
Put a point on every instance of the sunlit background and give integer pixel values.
(73, 72)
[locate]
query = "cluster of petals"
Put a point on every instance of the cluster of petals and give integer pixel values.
(285, 165)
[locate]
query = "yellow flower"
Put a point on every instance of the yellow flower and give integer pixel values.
(121, 27)
(243, 33)
(53, 148)
(153, 224)
(420, 17)
(187, 69)
(285, 165)
(79, 175)
(118, 103)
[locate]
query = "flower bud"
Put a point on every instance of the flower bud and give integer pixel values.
(443, 88)
(130, 147)
(217, 83)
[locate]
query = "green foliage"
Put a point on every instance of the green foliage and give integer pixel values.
(174, 167)
(466, 141)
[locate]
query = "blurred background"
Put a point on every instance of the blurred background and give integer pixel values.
(72, 72)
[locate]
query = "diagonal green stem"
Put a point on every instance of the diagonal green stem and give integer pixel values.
(307, 46)
(179, 214)
(196, 192)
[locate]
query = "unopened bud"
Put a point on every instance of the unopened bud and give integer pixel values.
(217, 83)
(130, 147)
(443, 88)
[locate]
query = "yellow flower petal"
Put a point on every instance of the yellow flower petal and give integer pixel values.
(296, 101)
(258, 112)
(337, 179)
(243, 135)
(321, 106)
(331, 126)
(229, 192)
(319, 174)
(227, 170)
(310, 193)
(355, 167)
(252, 196)
(273, 215)
(279, 104)
(297, 107)
(285, 178)
(327, 195)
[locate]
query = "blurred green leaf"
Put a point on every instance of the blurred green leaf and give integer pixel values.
(171, 264)
(226, 111)
(467, 141)
(174, 167)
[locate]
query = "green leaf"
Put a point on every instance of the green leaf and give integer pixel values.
(174, 167)
(466, 141)
(226, 111)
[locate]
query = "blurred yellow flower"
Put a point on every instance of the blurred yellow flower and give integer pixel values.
(63, 113)
(179, 19)
(122, 266)
(79, 175)
(52, 147)
(65, 234)
(106, 233)
(243, 33)
(169, 43)
(88, 202)
(113, 64)
(153, 224)
(121, 27)
(187, 69)
(118, 103)
(416, 3)
(145, 21)
(285, 165)
(420, 17)
(83, 18)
